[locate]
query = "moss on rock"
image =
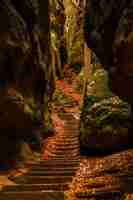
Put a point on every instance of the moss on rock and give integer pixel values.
(106, 123)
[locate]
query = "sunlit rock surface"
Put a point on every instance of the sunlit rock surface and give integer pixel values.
(98, 83)
(74, 12)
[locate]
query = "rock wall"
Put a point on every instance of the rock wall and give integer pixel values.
(24, 63)
(74, 31)
(106, 121)
(108, 31)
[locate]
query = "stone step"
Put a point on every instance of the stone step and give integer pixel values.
(70, 154)
(64, 149)
(65, 145)
(68, 134)
(45, 162)
(61, 157)
(71, 124)
(41, 179)
(64, 157)
(32, 195)
(36, 187)
(65, 141)
(51, 157)
(69, 138)
(51, 169)
(63, 162)
(72, 120)
(51, 173)
(72, 129)
(53, 162)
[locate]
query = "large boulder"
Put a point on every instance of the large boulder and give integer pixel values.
(18, 120)
(106, 122)
(106, 126)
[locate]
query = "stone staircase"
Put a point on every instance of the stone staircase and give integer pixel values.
(48, 179)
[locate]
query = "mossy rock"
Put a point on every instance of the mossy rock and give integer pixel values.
(106, 125)
(19, 121)
(98, 85)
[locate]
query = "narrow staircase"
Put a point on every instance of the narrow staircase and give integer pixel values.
(48, 178)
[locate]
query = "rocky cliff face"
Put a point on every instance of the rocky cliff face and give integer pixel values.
(108, 31)
(74, 31)
(24, 55)
(106, 121)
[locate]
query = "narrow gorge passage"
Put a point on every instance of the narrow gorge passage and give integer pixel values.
(52, 175)
(66, 107)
